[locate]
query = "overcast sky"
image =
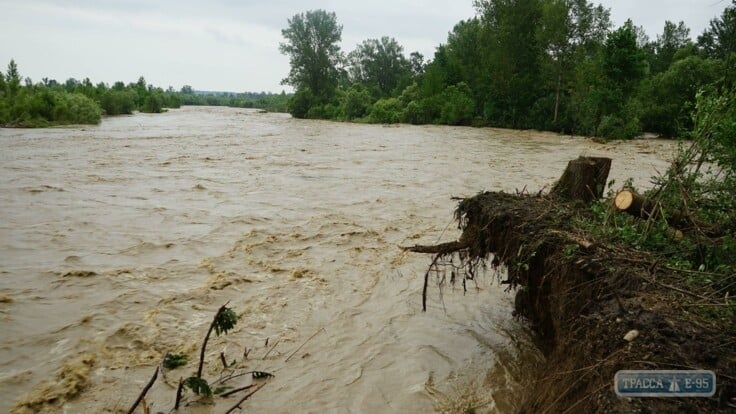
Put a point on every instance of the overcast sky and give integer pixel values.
(232, 45)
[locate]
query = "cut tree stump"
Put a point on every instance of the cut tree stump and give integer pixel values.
(584, 179)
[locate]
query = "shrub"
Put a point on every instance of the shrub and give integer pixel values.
(387, 111)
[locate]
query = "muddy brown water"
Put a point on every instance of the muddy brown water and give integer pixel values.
(118, 243)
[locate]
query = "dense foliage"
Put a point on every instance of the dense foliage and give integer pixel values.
(554, 65)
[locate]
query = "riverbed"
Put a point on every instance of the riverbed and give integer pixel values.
(119, 242)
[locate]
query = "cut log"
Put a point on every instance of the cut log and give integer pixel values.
(584, 179)
(639, 206)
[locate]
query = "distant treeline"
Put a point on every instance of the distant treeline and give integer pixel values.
(24, 103)
(551, 65)
(269, 101)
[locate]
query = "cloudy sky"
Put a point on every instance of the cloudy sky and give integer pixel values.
(232, 45)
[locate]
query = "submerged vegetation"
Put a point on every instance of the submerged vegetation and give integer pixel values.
(550, 65)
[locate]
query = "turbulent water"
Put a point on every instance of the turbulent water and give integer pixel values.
(119, 242)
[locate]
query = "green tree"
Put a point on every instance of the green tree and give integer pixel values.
(571, 31)
(312, 46)
(458, 107)
(380, 65)
(513, 59)
(12, 78)
(719, 41)
(669, 97)
(673, 38)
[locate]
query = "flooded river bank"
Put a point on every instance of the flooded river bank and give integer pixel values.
(119, 242)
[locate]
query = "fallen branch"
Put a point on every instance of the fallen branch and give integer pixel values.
(145, 390)
(272, 348)
(179, 389)
(426, 281)
(305, 342)
(442, 248)
(237, 406)
(231, 392)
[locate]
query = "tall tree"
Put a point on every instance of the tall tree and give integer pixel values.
(513, 58)
(571, 31)
(719, 40)
(673, 38)
(12, 78)
(380, 65)
(314, 53)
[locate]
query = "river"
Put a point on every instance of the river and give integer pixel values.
(119, 242)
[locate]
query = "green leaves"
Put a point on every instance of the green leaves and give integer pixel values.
(172, 361)
(225, 320)
(199, 386)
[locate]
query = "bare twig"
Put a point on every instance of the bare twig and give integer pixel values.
(143, 393)
(179, 389)
(231, 392)
(272, 348)
(426, 282)
(237, 406)
(305, 342)
(222, 358)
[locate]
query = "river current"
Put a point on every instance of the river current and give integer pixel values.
(119, 242)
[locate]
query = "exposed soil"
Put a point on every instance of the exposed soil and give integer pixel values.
(582, 297)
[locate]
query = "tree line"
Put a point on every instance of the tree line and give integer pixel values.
(24, 103)
(268, 101)
(555, 65)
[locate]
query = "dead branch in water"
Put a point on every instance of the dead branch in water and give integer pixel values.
(145, 390)
(179, 389)
(305, 342)
(236, 406)
(237, 390)
(442, 248)
(426, 281)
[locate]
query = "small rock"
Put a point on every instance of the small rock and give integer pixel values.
(631, 335)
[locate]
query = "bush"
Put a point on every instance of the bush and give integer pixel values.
(356, 103)
(153, 103)
(416, 113)
(458, 107)
(300, 103)
(115, 102)
(387, 111)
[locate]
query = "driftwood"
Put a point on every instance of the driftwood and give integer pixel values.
(584, 179)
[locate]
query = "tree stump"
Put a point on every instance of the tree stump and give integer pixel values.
(584, 179)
